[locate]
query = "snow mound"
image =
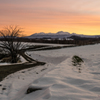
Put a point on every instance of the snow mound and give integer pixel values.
(65, 83)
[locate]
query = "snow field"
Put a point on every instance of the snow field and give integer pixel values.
(58, 79)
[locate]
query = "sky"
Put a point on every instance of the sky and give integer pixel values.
(34, 16)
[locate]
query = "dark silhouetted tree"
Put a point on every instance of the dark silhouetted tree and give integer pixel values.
(10, 43)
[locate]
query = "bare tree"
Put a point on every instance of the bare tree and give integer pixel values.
(10, 43)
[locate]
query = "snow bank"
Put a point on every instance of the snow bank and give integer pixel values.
(17, 84)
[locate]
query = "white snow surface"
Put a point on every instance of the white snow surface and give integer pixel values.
(58, 79)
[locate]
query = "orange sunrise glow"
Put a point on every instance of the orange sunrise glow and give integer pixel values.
(34, 16)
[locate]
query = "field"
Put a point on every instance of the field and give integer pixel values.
(58, 79)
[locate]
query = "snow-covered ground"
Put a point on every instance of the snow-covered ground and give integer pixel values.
(58, 79)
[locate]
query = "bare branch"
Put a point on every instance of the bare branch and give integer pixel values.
(10, 44)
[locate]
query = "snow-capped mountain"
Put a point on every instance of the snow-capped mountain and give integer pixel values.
(60, 35)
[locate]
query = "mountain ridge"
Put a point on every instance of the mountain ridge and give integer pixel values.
(60, 34)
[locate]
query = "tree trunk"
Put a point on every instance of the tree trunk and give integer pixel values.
(14, 58)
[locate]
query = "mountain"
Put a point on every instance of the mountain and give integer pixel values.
(60, 35)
